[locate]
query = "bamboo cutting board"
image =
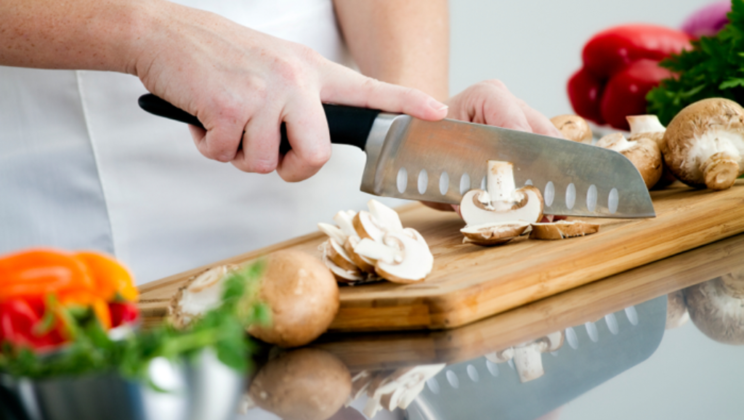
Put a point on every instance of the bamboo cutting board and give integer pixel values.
(469, 282)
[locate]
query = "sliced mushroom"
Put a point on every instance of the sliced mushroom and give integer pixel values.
(528, 356)
(644, 153)
(649, 126)
(717, 308)
(563, 229)
(501, 356)
(365, 264)
(493, 233)
(341, 275)
(502, 202)
(399, 389)
(404, 256)
(199, 295)
(573, 128)
(677, 314)
(340, 257)
(305, 384)
(705, 144)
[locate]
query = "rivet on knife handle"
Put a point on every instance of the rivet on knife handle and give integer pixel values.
(346, 124)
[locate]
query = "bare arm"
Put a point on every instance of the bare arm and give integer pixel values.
(401, 42)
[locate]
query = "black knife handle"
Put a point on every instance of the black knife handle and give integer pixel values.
(346, 124)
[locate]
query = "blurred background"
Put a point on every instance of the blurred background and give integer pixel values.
(535, 46)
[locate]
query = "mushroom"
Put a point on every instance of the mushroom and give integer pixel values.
(368, 245)
(649, 126)
(644, 153)
(401, 257)
(573, 128)
(502, 202)
(528, 356)
(563, 229)
(493, 233)
(705, 145)
(299, 290)
(398, 389)
(677, 314)
(305, 384)
(302, 296)
(717, 308)
(501, 356)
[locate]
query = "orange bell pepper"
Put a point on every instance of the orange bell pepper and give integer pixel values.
(39, 272)
(112, 280)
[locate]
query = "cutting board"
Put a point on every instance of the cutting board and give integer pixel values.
(469, 282)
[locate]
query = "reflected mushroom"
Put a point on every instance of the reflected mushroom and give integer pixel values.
(305, 384)
(677, 314)
(717, 308)
(528, 356)
(393, 389)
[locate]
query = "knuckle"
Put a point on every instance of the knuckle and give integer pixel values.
(318, 157)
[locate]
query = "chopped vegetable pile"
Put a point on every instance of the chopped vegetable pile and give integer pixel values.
(713, 68)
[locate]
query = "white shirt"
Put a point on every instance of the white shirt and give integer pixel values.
(83, 167)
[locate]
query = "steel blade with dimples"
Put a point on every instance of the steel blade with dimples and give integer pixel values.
(440, 161)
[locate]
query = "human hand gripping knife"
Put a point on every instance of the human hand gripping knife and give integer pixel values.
(440, 161)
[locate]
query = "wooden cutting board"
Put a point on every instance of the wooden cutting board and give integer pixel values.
(469, 282)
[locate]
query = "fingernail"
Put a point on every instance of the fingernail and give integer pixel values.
(437, 106)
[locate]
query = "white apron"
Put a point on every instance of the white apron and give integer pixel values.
(81, 166)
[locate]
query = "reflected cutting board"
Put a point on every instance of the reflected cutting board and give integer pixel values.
(469, 282)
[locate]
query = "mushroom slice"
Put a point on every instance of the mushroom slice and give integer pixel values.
(399, 258)
(563, 229)
(366, 226)
(717, 308)
(502, 202)
(501, 356)
(333, 232)
(365, 264)
(573, 128)
(493, 233)
(399, 389)
(386, 216)
(644, 153)
(359, 384)
(705, 144)
(340, 257)
(202, 293)
(343, 276)
(344, 221)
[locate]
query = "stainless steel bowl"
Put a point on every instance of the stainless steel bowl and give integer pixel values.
(204, 389)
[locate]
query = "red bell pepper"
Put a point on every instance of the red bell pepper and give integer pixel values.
(620, 68)
(20, 322)
(123, 313)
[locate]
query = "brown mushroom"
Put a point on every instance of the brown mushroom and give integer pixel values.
(563, 229)
(705, 146)
(493, 233)
(305, 384)
(677, 314)
(717, 308)
(643, 153)
(649, 126)
(573, 128)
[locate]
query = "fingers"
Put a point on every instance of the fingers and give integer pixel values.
(346, 87)
(221, 139)
(307, 131)
(503, 111)
(260, 152)
(539, 123)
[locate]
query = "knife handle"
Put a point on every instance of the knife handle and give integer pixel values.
(346, 124)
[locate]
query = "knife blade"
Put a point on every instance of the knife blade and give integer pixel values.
(440, 161)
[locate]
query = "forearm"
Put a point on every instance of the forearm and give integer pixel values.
(401, 42)
(73, 34)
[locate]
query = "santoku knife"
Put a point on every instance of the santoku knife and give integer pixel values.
(440, 161)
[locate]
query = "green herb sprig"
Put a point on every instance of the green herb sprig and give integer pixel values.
(713, 68)
(92, 350)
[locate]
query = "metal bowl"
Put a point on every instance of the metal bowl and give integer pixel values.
(202, 389)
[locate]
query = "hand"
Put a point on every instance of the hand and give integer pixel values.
(243, 84)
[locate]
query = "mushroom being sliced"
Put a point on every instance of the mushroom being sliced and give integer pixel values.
(716, 307)
(502, 202)
(528, 356)
(644, 153)
(573, 128)
(493, 233)
(562, 229)
(705, 144)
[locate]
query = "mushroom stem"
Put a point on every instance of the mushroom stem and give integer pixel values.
(720, 171)
(614, 141)
(645, 124)
(501, 185)
(528, 360)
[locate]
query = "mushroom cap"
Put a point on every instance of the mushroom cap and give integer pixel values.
(415, 262)
(716, 307)
(644, 153)
(697, 133)
(677, 315)
(303, 298)
(305, 384)
(562, 229)
(493, 233)
(573, 128)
